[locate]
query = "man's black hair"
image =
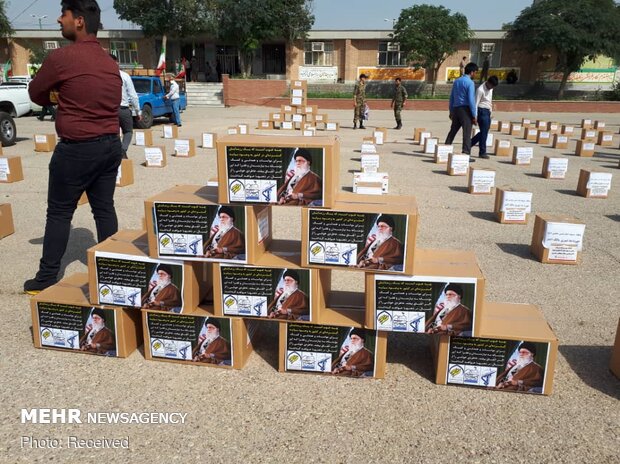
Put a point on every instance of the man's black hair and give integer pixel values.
(470, 68)
(494, 81)
(87, 9)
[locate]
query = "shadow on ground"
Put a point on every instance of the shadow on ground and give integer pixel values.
(591, 364)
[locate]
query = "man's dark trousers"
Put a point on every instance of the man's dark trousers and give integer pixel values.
(461, 117)
(484, 122)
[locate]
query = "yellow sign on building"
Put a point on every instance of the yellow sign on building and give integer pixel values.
(389, 74)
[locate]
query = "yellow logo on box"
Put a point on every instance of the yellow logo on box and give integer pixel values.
(105, 291)
(165, 241)
(235, 188)
(229, 302)
(316, 250)
(157, 345)
(293, 358)
(383, 318)
(46, 334)
(456, 371)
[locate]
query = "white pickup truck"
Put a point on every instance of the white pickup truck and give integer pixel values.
(14, 102)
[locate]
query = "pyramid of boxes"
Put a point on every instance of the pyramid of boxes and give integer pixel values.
(193, 285)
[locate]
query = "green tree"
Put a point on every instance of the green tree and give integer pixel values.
(574, 29)
(429, 34)
(168, 18)
(5, 25)
(248, 23)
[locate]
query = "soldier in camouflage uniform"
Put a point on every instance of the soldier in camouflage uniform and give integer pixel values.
(398, 102)
(359, 99)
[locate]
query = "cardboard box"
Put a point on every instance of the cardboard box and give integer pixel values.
(299, 84)
(585, 148)
(494, 125)
(512, 206)
(332, 126)
(233, 130)
(155, 157)
(265, 125)
(429, 145)
(299, 120)
(6, 220)
(143, 137)
(557, 239)
(170, 131)
(83, 199)
(442, 152)
(181, 339)
(276, 117)
(184, 148)
(44, 142)
(586, 124)
(481, 181)
(309, 132)
(121, 273)
(124, 176)
(531, 134)
(321, 118)
(380, 135)
(594, 183)
(516, 129)
(244, 129)
(208, 139)
(370, 163)
(299, 101)
(408, 303)
(554, 167)
(184, 223)
(368, 183)
(614, 362)
(504, 127)
(522, 156)
(62, 318)
(589, 134)
(319, 349)
(458, 165)
(11, 169)
(287, 109)
(526, 122)
(560, 141)
(340, 307)
(343, 237)
(502, 147)
(486, 361)
(541, 124)
(416, 134)
(245, 178)
(605, 139)
(423, 136)
(543, 137)
(599, 125)
(286, 125)
(553, 127)
(567, 130)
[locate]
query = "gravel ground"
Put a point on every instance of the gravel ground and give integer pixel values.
(260, 415)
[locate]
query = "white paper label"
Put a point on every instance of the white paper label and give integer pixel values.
(599, 184)
(298, 92)
(568, 129)
(233, 131)
(600, 124)
(531, 133)
(298, 118)
(563, 234)
(243, 129)
(154, 156)
(544, 135)
(504, 143)
(542, 124)
(562, 139)
(181, 147)
(517, 201)
(562, 253)
(526, 122)
(524, 155)
(378, 135)
(424, 136)
(382, 177)
(505, 126)
(553, 127)
(298, 84)
(207, 140)
(4, 166)
(590, 134)
(40, 138)
(588, 146)
(296, 101)
(490, 140)
(308, 133)
(494, 122)
(482, 181)
(370, 163)
(368, 148)
(287, 124)
(442, 152)
(331, 126)
(276, 116)
(516, 127)
(587, 122)
(460, 164)
(167, 132)
(140, 139)
(608, 138)
(319, 118)
(557, 168)
(431, 143)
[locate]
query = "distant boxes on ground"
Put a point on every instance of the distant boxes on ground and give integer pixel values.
(560, 141)
(593, 183)
(442, 152)
(589, 134)
(605, 139)
(197, 338)
(429, 145)
(585, 148)
(516, 129)
(265, 125)
(554, 168)
(557, 239)
(143, 137)
(184, 148)
(417, 132)
(44, 143)
(586, 124)
(64, 319)
(512, 206)
(208, 139)
(6, 220)
(567, 130)
(543, 137)
(502, 147)
(458, 165)
(11, 169)
(170, 131)
(522, 156)
(481, 181)
(531, 134)
(380, 135)
(295, 171)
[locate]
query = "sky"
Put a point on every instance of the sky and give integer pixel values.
(329, 14)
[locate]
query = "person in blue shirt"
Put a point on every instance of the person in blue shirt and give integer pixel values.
(463, 111)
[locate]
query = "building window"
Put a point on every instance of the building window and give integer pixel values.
(319, 53)
(390, 54)
(126, 51)
(480, 49)
(51, 44)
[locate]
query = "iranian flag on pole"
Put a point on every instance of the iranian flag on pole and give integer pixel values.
(180, 70)
(161, 64)
(8, 70)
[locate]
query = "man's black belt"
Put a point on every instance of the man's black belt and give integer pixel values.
(101, 138)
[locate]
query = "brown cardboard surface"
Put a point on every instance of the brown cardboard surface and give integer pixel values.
(416, 134)
(585, 148)
(207, 196)
(135, 243)
(6, 220)
(567, 130)
(586, 123)
(240, 345)
(545, 167)
(437, 263)
(536, 247)
(516, 129)
(543, 137)
(502, 147)
(125, 176)
(73, 290)
(46, 146)
(15, 173)
(614, 362)
(499, 200)
(504, 127)
(560, 141)
(331, 159)
(370, 204)
(589, 134)
(150, 164)
(192, 149)
(148, 137)
(582, 184)
(605, 139)
(264, 125)
(531, 134)
(553, 127)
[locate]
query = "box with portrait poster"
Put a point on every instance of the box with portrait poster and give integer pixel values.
(512, 206)
(445, 295)
(63, 319)
(186, 222)
(124, 175)
(513, 354)
(338, 306)
(332, 350)
(614, 362)
(554, 167)
(557, 239)
(6, 220)
(367, 232)
(275, 288)
(11, 169)
(197, 338)
(44, 142)
(295, 171)
(143, 137)
(594, 183)
(121, 273)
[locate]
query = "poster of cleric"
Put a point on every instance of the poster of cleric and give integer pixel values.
(338, 351)
(272, 293)
(508, 365)
(425, 304)
(195, 339)
(201, 232)
(133, 281)
(369, 241)
(80, 328)
(275, 175)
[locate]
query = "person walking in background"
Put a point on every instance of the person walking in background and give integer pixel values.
(173, 96)
(130, 108)
(463, 107)
(359, 101)
(484, 104)
(462, 65)
(398, 101)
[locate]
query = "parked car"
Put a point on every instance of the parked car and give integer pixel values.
(151, 93)
(8, 130)
(14, 99)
